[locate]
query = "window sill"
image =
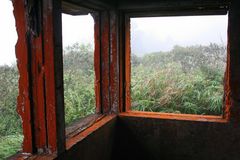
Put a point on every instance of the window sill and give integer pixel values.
(85, 133)
(71, 140)
(82, 124)
(172, 116)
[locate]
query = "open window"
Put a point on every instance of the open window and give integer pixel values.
(80, 71)
(78, 67)
(11, 135)
(176, 63)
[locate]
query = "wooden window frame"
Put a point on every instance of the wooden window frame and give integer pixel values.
(90, 119)
(39, 60)
(40, 63)
(127, 67)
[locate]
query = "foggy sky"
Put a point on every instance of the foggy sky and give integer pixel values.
(147, 34)
(162, 33)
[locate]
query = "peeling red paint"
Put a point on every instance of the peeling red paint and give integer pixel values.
(114, 63)
(39, 101)
(121, 106)
(227, 91)
(127, 65)
(97, 63)
(38, 93)
(50, 74)
(105, 82)
(23, 100)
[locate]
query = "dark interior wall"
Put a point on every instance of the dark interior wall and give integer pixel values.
(96, 146)
(141, 138)
(159, 139)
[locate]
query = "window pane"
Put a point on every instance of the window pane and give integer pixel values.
(78, 59)
(178, 64)
(10, 123)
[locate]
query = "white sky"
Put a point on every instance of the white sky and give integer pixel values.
(8, 35)
(77, 29)
(147, 35)
(162, 33)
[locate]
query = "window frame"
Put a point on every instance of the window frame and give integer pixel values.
(127, 65)
(40, 62)
(97, 77)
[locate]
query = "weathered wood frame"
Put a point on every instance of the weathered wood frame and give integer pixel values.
(40, 64)
(39, 60)
(127, 63)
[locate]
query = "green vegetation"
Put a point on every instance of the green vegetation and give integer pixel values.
(10, 144)
(183, 80)
(10, 123)
(79, 94)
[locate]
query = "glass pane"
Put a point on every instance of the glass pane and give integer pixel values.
(78, 61)
(178, 64)
(10, 123)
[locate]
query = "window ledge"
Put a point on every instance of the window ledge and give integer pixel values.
(82, 124)
(71, 141)
(85, 133)
(172, 116)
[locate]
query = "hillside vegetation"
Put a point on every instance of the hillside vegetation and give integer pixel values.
(79, 94)
(183, 80)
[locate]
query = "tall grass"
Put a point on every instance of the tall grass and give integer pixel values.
(10, 144)
(10, 123)
(79, 75)
(171, 90)
(79, 95)
(168, 82)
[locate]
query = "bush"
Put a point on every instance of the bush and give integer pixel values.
(79, 93)
(179, 81)
(9, 145)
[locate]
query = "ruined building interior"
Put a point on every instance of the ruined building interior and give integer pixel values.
(115, 132)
